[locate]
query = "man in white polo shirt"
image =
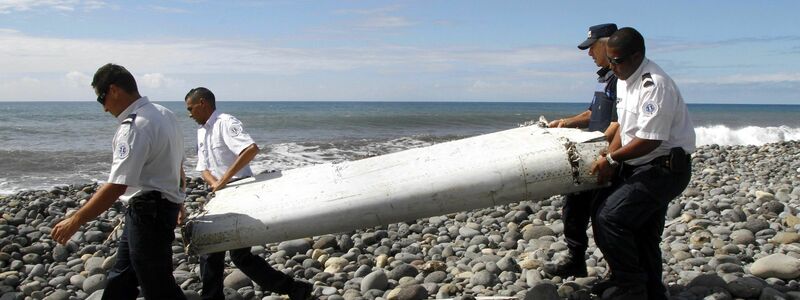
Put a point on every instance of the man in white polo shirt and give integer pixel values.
(224, 152)
(148, 158)
(648, 164)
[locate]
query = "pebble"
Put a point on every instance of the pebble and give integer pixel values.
(738, 214)
(776, 265)
(94, 283)
(375, 280)
(236, 280)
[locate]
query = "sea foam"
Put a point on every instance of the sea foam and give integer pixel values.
(750, 135)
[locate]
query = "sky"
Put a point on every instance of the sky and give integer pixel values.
(716, 51)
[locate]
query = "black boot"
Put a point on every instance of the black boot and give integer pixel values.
(301, 290)
(570, 265)
(625, 292)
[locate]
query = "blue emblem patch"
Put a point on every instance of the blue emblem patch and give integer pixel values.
(650, 108)
(122, 150)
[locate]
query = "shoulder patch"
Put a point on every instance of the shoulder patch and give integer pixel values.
(647, 80)
(235, 129)
(650, 108)
(129, 119)
(122, 149)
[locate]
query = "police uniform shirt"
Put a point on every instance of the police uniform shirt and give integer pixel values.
(219, 142)
(603, 104)
(148, 150)
(650, 106)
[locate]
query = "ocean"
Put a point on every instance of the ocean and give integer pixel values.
(45, 144)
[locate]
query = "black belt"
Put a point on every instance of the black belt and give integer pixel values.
(663, 161)
(150, 197)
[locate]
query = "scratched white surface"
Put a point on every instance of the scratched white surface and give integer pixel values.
(527, 163)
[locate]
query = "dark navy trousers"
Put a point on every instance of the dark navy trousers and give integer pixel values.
(212, 267)
(144, 254)
(578, 209)
(629, 222)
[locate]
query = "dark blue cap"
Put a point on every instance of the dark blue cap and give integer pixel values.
(596, 32)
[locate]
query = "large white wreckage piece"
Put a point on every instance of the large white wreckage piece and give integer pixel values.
(525, 163)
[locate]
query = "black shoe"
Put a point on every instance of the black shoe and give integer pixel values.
(601, 286)
(635, 292)
(301, 290)
(571, 265)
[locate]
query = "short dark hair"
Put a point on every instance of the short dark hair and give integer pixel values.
(114, 74)
(202, 93)
(627, 40)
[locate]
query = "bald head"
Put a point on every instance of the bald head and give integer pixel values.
(627, 40)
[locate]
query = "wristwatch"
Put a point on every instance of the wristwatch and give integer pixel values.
(611, 162)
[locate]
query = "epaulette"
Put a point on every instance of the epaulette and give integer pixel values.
(129, 119)
(647, 80)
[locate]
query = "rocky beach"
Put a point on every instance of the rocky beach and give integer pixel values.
(734, 233)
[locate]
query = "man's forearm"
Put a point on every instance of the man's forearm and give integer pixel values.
(611, 132)
(242, 160)
(636, 148)
(209, 179)
(578, 121)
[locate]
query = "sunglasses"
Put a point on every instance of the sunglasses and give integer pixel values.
(619, 60)
(101, 98)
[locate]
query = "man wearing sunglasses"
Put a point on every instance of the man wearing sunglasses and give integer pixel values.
(601, 112)
(148, 156)
(224, 152)
(648, 166)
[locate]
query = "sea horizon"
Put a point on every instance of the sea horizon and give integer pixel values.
(50, 143)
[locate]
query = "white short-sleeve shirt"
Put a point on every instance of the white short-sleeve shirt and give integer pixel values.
(148, 150)
(219, 142)
(650, 106)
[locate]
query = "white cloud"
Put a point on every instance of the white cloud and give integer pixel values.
(747, 79)
(169, 10)
(24, 53)
(9, 6)
(158, 80)
(78, 79)
(383, 22)
(165, 68)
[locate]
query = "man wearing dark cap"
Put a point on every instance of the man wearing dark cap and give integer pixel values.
(601, 112)
(648, 165)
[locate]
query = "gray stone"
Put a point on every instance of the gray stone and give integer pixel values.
(31, 287)
(756, 225)
(38, 270)
(484, 278)
(94, 236)
(743, 237)
(58, 295)
(435, 277)
(77, 280)
(467, 232)
(60, 253)
(746, 287)
(412, 292)
(534, 232)
(93, 263)
(508, 264)
(236, 280)
(543, 291)
(376, 280)
(729, 268)
(769, 293)
(776, 265)
(94, 283)
(295, 246)
(708, 280)
(403, 270)
(324, 242)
